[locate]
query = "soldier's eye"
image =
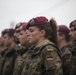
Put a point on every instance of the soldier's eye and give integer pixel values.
(17, 31)
(21, 33)
(31, 30)
(72, 30)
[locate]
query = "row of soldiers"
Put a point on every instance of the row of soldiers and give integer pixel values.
(38, 47)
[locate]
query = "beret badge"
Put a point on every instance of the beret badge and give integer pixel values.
(74, 23)
(18, 24)
(32, 22)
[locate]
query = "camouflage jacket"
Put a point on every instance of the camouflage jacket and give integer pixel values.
(43, 60)
(66, 55)
(7, 61)
(73, 60)
(19, 63)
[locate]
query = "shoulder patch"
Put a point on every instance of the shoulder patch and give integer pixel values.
(49, 58)
(49, 48)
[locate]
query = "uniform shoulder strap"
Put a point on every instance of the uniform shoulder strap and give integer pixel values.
(57, 49)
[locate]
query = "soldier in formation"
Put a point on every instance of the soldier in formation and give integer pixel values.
(44, 58)
(73, 40)
(65, 47)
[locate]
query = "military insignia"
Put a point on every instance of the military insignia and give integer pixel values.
(49, 58)
(18, 24)
(32, 22)
(50, 49)
(21, 27)
(74, 23)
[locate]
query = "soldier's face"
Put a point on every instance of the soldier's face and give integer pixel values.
(59, 37)
(72, 34)
(2, 41)
(16, 35)
(23, 37)
(6, 40)
(34, 35)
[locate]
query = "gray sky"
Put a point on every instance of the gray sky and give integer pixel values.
(14, 11)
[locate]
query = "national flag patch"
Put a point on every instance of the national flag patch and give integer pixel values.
(49, 58)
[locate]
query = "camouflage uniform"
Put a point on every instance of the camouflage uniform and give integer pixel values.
(66, 58)
(43, 60)
(7, 62)
(2, 60)
(21, 51)
(0, 57)
(73, 60)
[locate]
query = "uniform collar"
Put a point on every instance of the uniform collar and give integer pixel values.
(46, 41)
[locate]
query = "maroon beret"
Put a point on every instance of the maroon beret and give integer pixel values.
(18, 25)
(10, 31)
(63, 28)
(23, 26)
(73, 24)
(37, 21)
(4, 31)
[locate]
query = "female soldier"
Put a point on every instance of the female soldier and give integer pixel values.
(44, 58)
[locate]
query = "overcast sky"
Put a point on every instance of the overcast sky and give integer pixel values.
(14, 11)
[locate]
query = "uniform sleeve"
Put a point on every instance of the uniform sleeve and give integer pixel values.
(52, 62)
(73, 61)
(66, 58)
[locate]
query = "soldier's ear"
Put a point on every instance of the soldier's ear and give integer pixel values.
(63, 36)
(42, 32)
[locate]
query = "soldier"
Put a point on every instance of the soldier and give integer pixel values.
(21, 50)
(1, 44)
(64, 46)
(73, 39)
(17, 31)
(9, 54)
(44, 58)
(2, 47)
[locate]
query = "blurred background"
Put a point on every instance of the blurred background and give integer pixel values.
(14, 11)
